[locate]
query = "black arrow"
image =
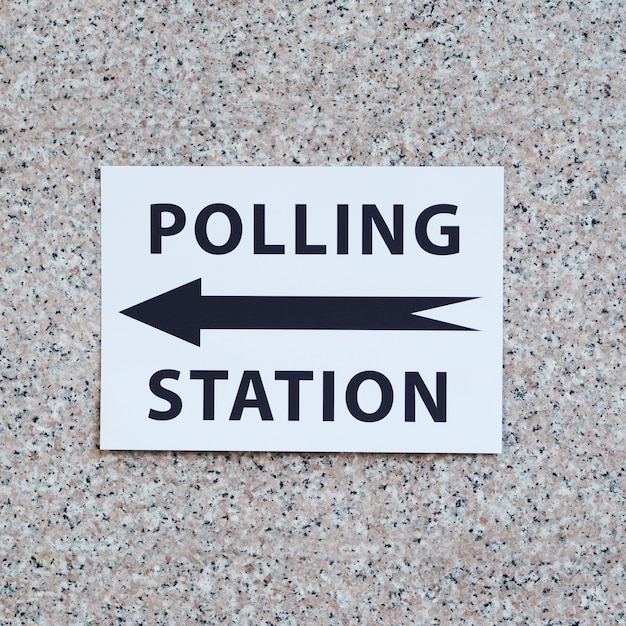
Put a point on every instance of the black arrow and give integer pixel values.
(184, 311)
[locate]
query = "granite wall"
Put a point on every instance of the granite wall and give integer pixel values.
(532, 536)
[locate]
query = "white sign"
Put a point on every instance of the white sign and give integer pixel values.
(313, 309)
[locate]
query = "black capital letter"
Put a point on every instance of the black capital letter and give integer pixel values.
(260, 247)
(209, 377)
(258, 402)
(302, 247)
(421, 233)
(386, 400)
(157, 230)
(328, 397)
(236, 229)
(294, 378)
(412, 381)
(176, 404)
(371, 214)
(342, 229)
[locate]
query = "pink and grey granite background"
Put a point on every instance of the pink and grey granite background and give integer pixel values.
(532, 536)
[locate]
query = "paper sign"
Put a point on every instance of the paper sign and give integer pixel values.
(312, 309)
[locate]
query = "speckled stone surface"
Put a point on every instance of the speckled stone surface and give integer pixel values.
(532, 536)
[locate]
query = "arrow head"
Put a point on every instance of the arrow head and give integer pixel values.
(175, 312)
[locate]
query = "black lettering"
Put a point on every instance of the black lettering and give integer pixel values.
(452, 232)
(328, 396)
(176, 404)
(302, 247)
(251, 378)
(438, 410)
(209, 377)
(352, 399)
(157, 230)
(371, 215)
(260, 247)
(342, 229)
(294, 378)
(236, 229)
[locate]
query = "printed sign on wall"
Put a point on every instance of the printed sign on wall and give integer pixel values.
(348, 309)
